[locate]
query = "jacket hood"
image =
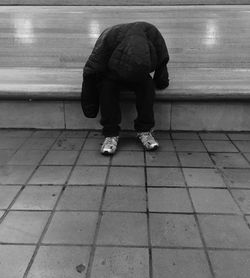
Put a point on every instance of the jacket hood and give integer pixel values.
(131, 59)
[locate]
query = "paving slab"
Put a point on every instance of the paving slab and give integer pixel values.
(123, 229)
(230, 264)
(37, 198)
(81, 198)
(85, 175)
(213, 201)
(225, 231)
(169, 200)
(23, 227)
(14, 260)
(7, 194)
(71, 227)
(117, 261)
(50, 175)
(125, 199)
(203, 177)
(60, 261)
(164, 177)
(178, 263)
(174, 230)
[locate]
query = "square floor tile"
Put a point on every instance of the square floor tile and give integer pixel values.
(235, 160)
(27, 157)
(46, 133)
(130, 158)
(14, 260)
(60, 158)
(189, 146)
(159, 134)
(7, 194)
(34, 143)
(125, 199)
(60, 261)
(81, 198)
(11, 143)
(74, 133)
(230, 264)
(165, 177)
(23, 227)
(69, 144)
(178, 230)
(128, 134)
(161, 159)
(15, 132)
(225, 231)
(243, 146)
(85, 175)
(203, 177)
(93, 144)
(189, 159)
(93, 158)
(237, 177)
(130, 144)
(177, 263)
(166, 145)
(239, 136)
(126, 176)
(5, 156)
(72, 227)
(123, 229)
(185, 135)
(242, 198)
(50, 175)
(17, 174)
(213, 200)
(169, 200)
(120, 262)
(213, 136)
(219, 146)
(37, 198)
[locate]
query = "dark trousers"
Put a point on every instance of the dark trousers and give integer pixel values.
(110, 105)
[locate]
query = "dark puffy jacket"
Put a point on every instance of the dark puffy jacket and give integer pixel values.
(126, 52)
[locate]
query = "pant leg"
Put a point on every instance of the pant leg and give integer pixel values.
(110, 107)
(145, 95)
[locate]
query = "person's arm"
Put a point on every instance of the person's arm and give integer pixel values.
(161, 77)
(90, 96)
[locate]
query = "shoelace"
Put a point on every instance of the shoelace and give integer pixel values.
(110, 141)
(147, 137)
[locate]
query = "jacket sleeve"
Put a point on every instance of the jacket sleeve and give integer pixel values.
(161, 77)
(90, 96)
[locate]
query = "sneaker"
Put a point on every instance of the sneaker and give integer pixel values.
(148, 141)
(109, 145)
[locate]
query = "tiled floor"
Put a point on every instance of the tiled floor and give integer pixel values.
(180, 212)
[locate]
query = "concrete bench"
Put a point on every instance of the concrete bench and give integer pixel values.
(43, 50)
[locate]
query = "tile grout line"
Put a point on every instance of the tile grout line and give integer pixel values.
(230, 189)
(132, 186)
(22, 187)
(28, 137)
(148, 218)
(26, 183)
(98, 224)
(247, 249)
(130, 212)
(53, 210)
(205, 249)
